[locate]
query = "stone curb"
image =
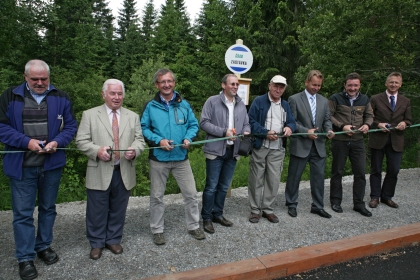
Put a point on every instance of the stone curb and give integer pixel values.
(306, 258)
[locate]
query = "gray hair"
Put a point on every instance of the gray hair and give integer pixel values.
(37, 64)
(226, 77)
(113, 82)
(162, 72)
(394, 74)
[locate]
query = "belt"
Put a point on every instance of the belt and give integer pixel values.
(116, 167)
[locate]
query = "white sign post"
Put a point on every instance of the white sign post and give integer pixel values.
(238, 59)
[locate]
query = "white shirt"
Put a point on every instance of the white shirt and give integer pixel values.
(231, 106)
(389, 95)
(274, 121)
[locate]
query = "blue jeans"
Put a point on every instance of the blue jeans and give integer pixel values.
(24, 196)
(219, 173)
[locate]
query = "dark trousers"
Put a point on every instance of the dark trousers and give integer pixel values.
(355, 151)
(296, 168)
(393, 162)
(105, 213)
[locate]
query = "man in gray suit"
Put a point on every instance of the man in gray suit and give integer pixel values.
(312, 116)
(105, 131)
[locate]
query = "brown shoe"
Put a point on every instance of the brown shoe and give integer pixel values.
(271, 217)
(114, 248)
(254, 218)
(389, 202)
(373, 203)
(95, 253)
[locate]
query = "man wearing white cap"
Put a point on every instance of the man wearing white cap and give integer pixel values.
(270, 118)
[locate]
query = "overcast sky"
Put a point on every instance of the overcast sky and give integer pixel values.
(193, 6)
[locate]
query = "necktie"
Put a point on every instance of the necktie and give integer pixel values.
(392, 102)
(313, 109)
(116, 131)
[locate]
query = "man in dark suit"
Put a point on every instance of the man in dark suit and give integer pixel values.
(312, 115)
(392, 113)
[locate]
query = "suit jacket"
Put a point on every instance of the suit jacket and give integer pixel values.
(95, 131)
(383, 114)
(300, 146)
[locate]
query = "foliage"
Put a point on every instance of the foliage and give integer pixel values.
(290, 37)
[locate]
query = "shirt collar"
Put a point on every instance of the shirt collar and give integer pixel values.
(109, 110)
(272, 101)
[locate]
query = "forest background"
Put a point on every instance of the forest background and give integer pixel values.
(85, 45)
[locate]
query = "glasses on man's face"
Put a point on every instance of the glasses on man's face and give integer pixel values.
(164, 82)
(234, 84)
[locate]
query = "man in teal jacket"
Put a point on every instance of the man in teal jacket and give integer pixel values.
(168, 121)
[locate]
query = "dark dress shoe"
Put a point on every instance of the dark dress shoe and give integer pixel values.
(221, 220)
(271, 217)
(27, 270)
(95, 253)
(321, 213)
(292, 212)
(337, 208)
(114, 248)
(208, 226)
(254, 218)
(389, 202)
(363, 211)
(48, 256)
(374, 203)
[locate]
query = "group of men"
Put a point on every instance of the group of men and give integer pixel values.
(37, 122)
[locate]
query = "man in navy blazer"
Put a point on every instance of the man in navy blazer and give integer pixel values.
(312, 116)
(391, 110)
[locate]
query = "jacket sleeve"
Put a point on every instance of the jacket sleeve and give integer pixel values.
(290, 119)
(332, 104)
(192, 129)
(66, 135)
(254, 115)
(151, 138)
(368, 115)
(84, 138)
(206, 120)
(138, 143)
(9, 135)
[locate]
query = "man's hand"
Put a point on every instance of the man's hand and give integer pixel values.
(103, 153)
(130, 153)
(49, 148)
(383, 126)
(364, 128)
(272, 135)
(401, 126)
(166, 144)
(186, 144)
(311, 133)
(287, 131)
(349, 128)
(35, 145)
(231, 132)
(330, 134)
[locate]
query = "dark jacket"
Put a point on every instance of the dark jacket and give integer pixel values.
(258, 115)
(62, 127)
(384, 114)
(343, 113)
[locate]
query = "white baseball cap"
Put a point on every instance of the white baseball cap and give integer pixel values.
(278, 79)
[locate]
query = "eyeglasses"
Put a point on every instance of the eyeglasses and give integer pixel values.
(234, 84)
(165, 82)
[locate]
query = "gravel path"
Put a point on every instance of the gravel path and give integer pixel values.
(142, 258)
